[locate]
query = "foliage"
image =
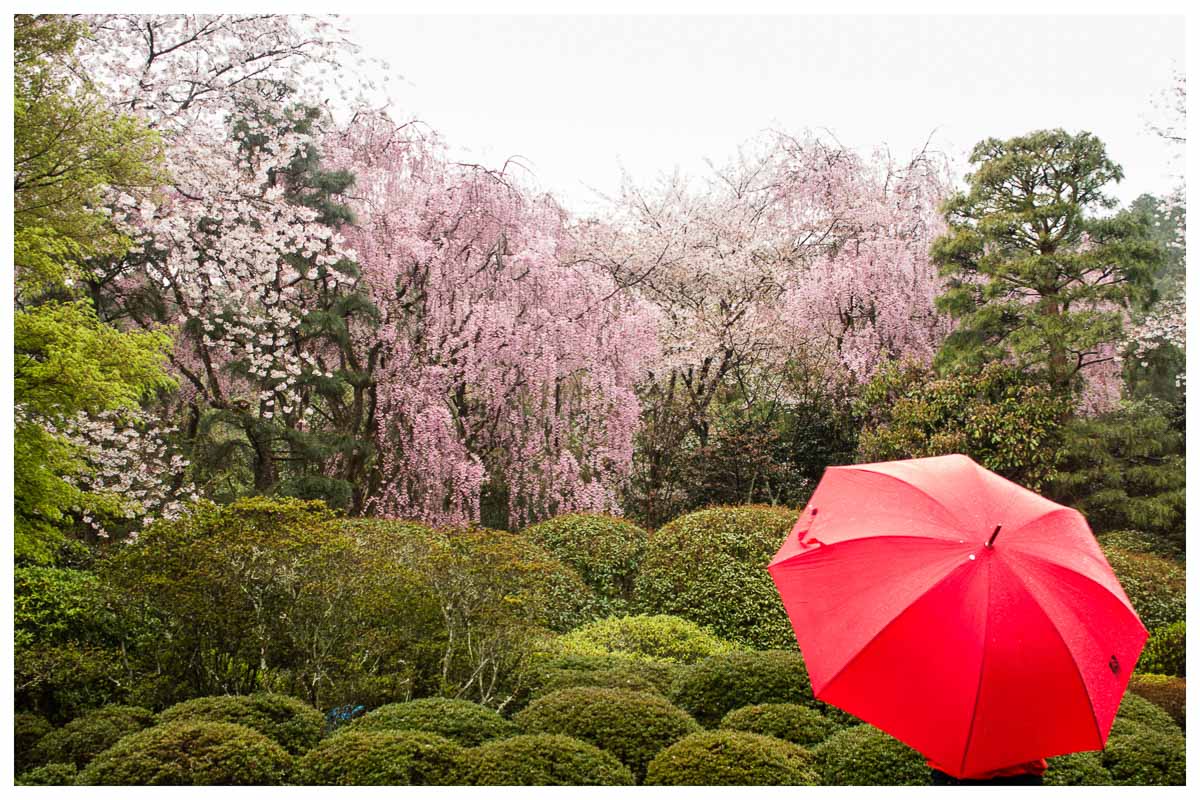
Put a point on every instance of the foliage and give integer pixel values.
(994, 415)
(1165, 691)
(732, 758)
(643, 637)
(1139, 542)
(633, 726)
(1033, 277)
(1166, 651)
(188, 753)
(866, 756)
(791, 722)
(628, 678)
(465, 723)
(83, 738)
(63, 681)
(28, 729)
(1077, 769)
(1155, 586)
(716, 686)
(542, 760)
(1146, 757)
(48, 775)
(290, 723)
(605, 551)
(54, 605)
(549, 674)
(380, 758)
(1137, 713)
(708, 567)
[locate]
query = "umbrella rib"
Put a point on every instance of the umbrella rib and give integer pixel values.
(987, 621)
(1126, 602)
(956, 519)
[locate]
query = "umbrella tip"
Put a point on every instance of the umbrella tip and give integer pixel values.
(995, 533)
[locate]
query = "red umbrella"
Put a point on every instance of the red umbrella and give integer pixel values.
(970, 618)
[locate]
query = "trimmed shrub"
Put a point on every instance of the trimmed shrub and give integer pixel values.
(28, 729)
(709, 567)
(1166, 651)
(866, 756)
(1077, 769)
(788, 721)
(1146, 757)
(1165, 691)
(49, 775)
(380, 758)
(82, 739)
(190, 753)
(465, 723)
(732, 758)
(1140, 542)
(713, 688)
(633, 726)
(644, 638)
(605, 551)
(1138, 711)
(619, 678)
(542, 760)
(1155, 586)
(661, 673)
(290, 723)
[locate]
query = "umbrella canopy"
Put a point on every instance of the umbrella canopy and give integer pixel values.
(972, 619)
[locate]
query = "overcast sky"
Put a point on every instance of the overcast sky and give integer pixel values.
(581, 97)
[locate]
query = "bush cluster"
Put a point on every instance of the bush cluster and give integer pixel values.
(465, 723)
(83, 738)
(542, 760)
(1136, 712)
(1155, 585)
(716, 686)
(732, 758)
(380, 758)
(1166, 651)
(788, 721)
(190, 753)
(605, 551)
(1077, 769)
(645, 637)
(1143, 756)
(49, 775)
(866, 756)
(290, 723)
(1165, 691)
(28, 729)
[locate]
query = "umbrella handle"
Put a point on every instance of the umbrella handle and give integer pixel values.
(994, 534)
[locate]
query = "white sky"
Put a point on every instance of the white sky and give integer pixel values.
(580, 97)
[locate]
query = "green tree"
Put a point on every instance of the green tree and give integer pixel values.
(1032, 276)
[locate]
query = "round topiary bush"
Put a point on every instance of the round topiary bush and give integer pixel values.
(1166, 651)
(1165, 691)
(646, 637)
(49, 775)
(291, 723)
(661, 673)
(1077, 769)
(618, 678)
(466, 723)
(709, 567)
(866, 756)
(380, 758)
(605, 551)
(542, 760)
(1138, 711)
(190, 753)
(716, 686)
(633, 726)
(732, 758)
(1146, 757)
(28, 729)
(788, 721)
(81, 739)
(1155, 585)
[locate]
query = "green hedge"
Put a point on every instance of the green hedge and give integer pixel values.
(716, 686)
(1077, 769)
(82, 739)
(709, 567)
(1165, 691)
(1146, 757)
(619, 678)
(1166, 651)
(1156, 586)
(289, 722)
(633, 726)
(28, 729)
(380, 758)
(190, 753)
(866, 756)
(542, 760)
(1138, 711)
(660, 673)
(645, 637)
(466, 723)
(49, 775)
(605, 551)
(788, 721)
(1140, 542)
(732, 758)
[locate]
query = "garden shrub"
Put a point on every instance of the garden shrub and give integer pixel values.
(788, 721)
(1077, 769)
(1140, 542)
(28, 729)
(292, 724)
(732, 758)
(1145, 757)
(1166, 691)
(618, 678)
(380, 758)
(644, 637)
(716, 686)
(542, 760)
(661, 673)
(866, 756)
(49, 775)
(1138, 711)
(463, 722)
(1166, 651)
(633, 726)
(190, 753)
(51, 604)
(605, 551)
(709, 567)
(82, 739)
(63, 681)
(1156, 586)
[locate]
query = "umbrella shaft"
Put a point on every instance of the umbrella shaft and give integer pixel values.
(994, 534)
